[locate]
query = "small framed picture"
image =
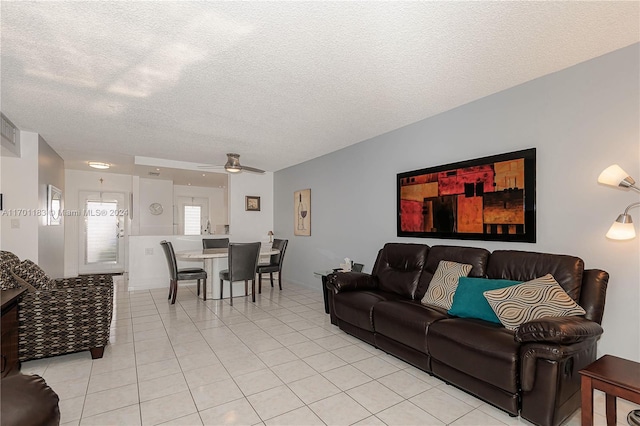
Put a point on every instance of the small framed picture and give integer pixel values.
(252, 204)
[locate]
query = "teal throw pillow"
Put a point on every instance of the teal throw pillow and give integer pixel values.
(469, 302)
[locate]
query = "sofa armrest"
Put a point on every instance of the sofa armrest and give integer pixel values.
(561, 330)
(350, 281)
(63, 320)
(573, 357)
(84, 280)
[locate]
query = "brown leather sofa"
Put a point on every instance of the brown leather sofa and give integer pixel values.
(531, 372)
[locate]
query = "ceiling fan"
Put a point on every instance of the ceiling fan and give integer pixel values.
(233, 165)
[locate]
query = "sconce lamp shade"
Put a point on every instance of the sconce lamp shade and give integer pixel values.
(615, 176)
(622, 229)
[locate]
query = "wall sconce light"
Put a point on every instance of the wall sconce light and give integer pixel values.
(622, 228)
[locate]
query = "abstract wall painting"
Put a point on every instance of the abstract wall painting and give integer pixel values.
(490, 198)
(302, 212)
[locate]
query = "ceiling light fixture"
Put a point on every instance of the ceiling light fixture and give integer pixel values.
(622, 228)
(99, 165)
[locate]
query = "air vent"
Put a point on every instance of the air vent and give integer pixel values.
(9, 131)
(154, 174)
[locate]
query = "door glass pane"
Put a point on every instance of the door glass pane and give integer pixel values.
(192, 220)
(102, 232)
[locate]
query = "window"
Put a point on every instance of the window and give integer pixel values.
(192, 222)
(101, 232)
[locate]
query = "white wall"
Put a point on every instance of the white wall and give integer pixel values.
(19, 186)
(76, 181)
(248, 226)
(581, 120)
(155, 191)
(50, 238)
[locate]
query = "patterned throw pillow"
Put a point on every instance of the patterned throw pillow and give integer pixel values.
(444, 283)
(34, 275)
(535, 299)
(8, 261)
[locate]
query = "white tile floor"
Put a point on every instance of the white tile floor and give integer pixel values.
(276, 362)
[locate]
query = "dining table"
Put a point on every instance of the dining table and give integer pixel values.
(216, 260)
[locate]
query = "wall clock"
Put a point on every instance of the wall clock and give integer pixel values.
(156, 208)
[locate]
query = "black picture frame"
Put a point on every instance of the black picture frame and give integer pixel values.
(490, 198)
(252, 203)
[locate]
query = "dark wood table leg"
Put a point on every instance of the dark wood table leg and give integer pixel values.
(611, 410)
(587, 401)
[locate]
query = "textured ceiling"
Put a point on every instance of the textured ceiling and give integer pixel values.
(278, 82)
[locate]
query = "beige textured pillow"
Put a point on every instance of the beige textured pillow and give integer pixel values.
(444, 283)
(532, 300)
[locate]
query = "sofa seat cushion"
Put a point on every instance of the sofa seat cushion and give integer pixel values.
(478, 348)
(406, 321)
(356, 307)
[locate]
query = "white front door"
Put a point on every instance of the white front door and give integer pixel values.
(102, 232)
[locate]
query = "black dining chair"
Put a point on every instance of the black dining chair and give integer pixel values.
(182, 274)
(243, 260)
(274, 265)
(208, 243)
(357, 267)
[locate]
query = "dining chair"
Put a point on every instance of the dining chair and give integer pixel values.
(182, 274)
(357, 267)
(208, 243)
(243, 261)
(274, 265)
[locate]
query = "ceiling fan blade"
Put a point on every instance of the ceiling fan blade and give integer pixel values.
(252, 169)
(210, 166)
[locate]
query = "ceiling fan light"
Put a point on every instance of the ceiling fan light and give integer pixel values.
(99, 165)
(233, 169)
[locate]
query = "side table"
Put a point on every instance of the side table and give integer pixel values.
(9, 326)
(616, 377)
(323, 275)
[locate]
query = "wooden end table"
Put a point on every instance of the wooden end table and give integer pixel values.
(616, 377)
(10, 364)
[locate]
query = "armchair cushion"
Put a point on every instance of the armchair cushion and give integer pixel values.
(34, 275)
(23, 283)
(562, 330)
(8, 261)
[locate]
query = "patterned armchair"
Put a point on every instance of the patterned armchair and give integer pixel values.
(59, 316)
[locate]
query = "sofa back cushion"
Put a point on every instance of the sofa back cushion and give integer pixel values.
(8, 261)
(34, 275)
(476, 257)
(526, 266)
(399, 267)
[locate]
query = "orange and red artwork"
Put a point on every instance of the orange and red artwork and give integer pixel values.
(491, 198)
